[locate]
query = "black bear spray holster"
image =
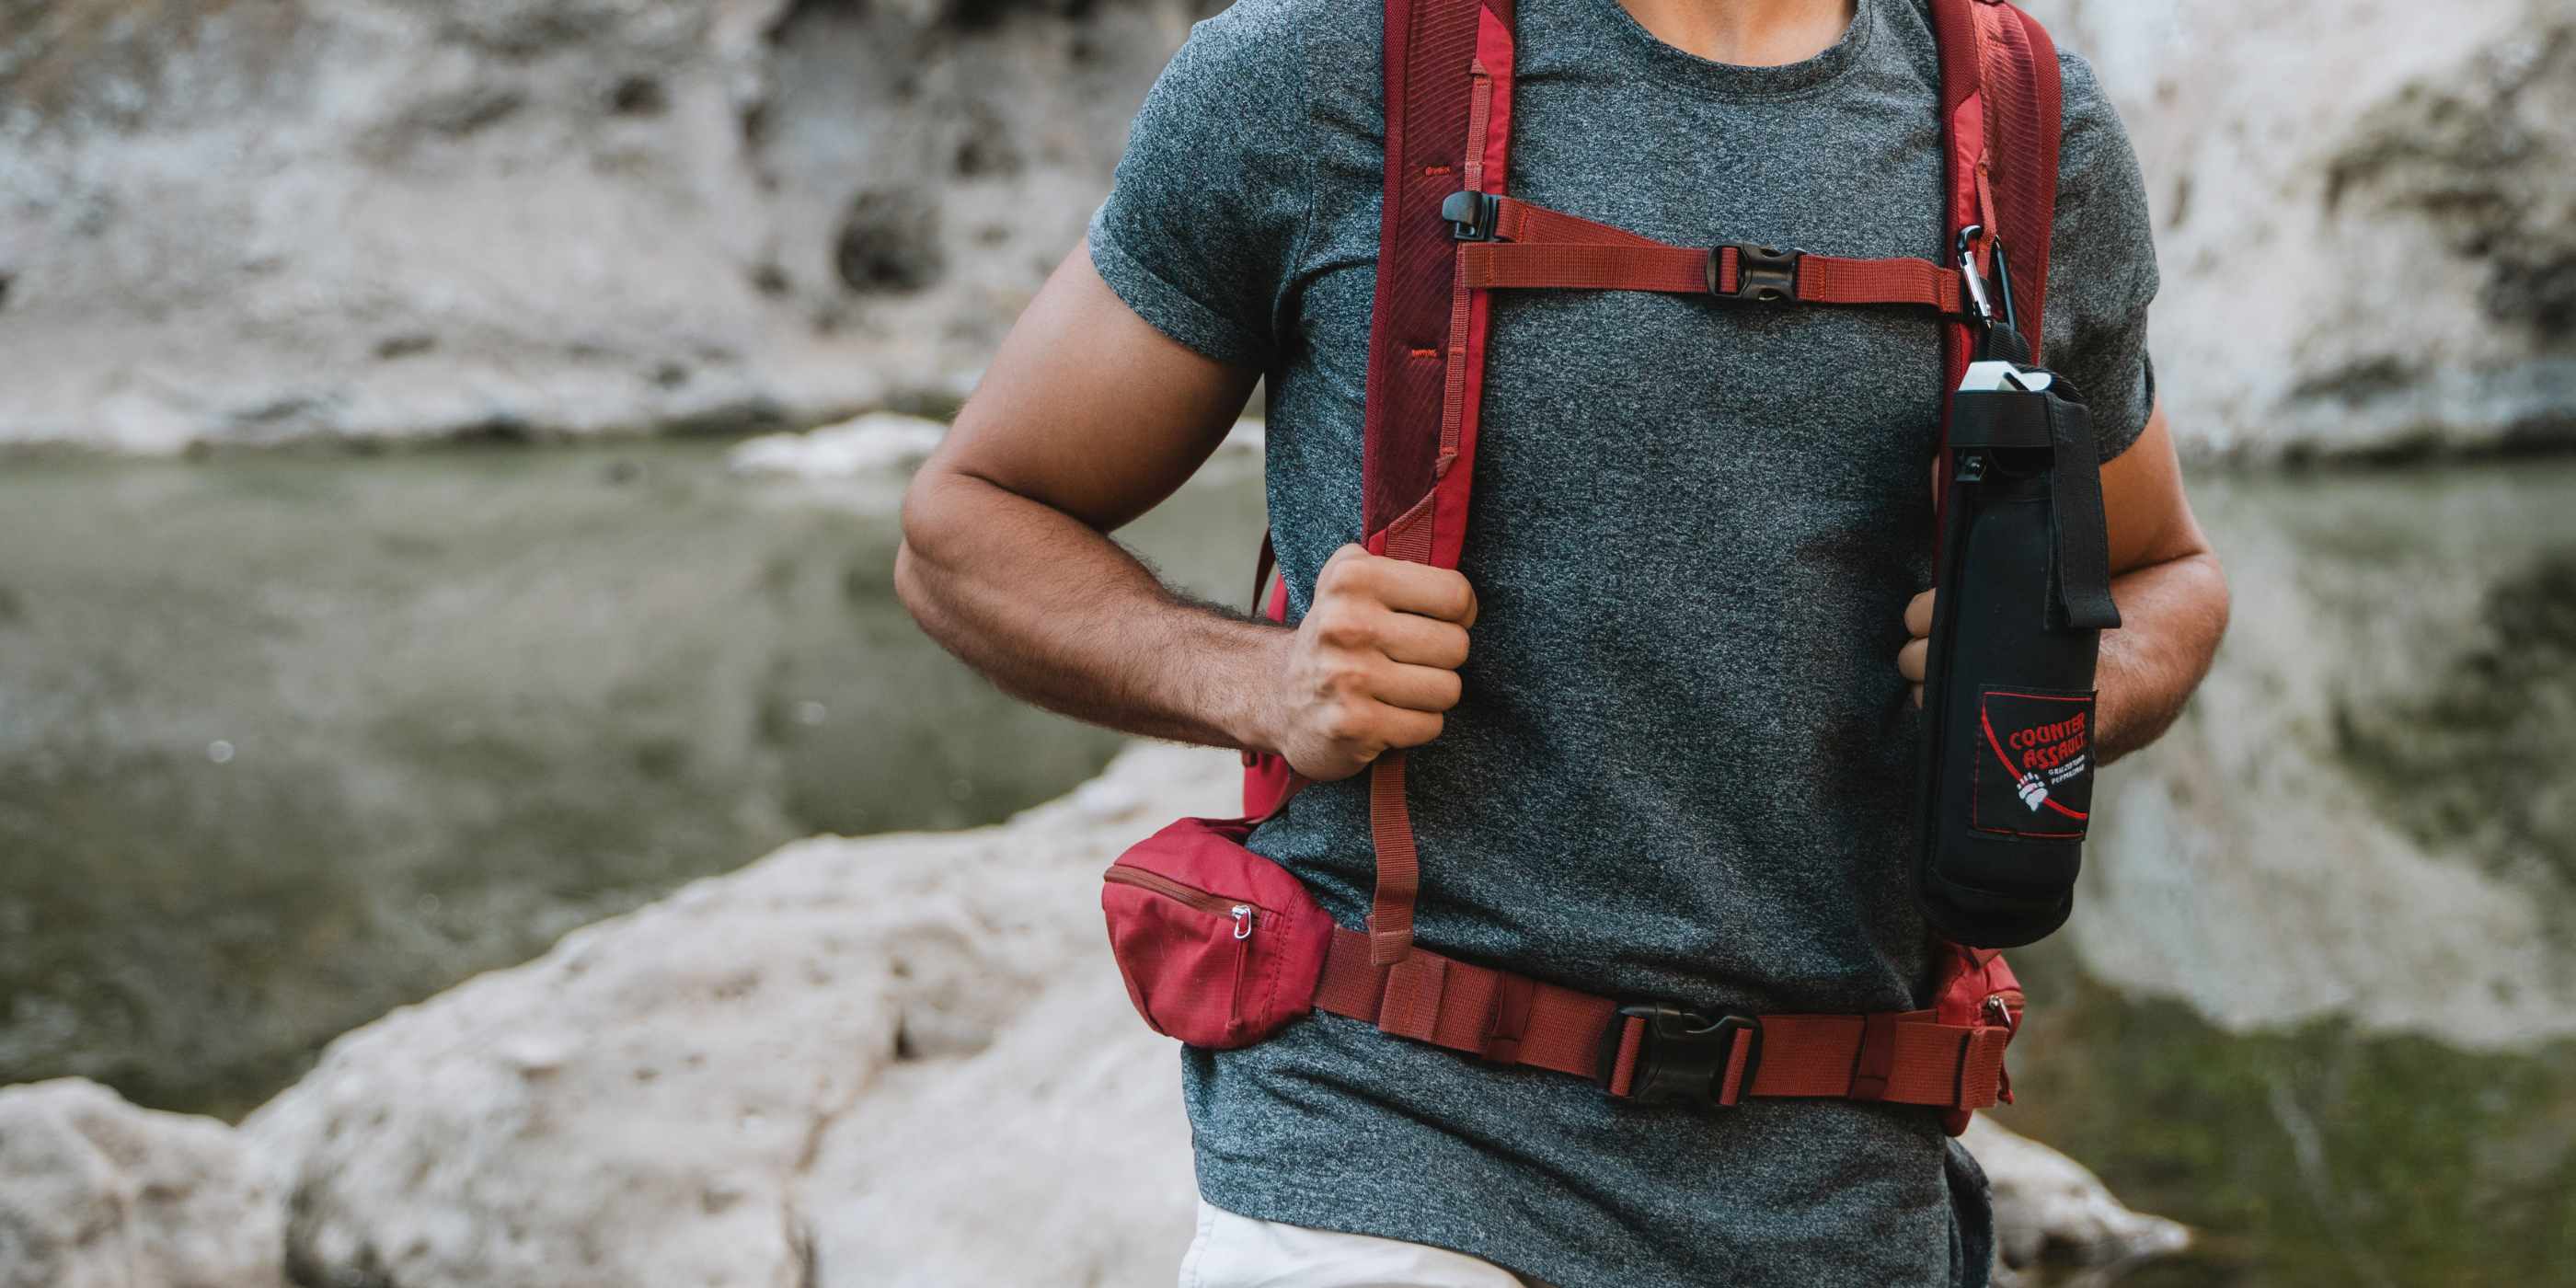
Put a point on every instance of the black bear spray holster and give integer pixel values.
(2023, 572)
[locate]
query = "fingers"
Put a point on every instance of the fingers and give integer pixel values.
(1404, 587)
(1918, 615)
(1418, 688)
(1421, 641)
(1374, 663)
(1917, 653)
(1361, 731)
(1910, 659)
(1410, 728)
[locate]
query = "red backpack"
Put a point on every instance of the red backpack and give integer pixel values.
(1221, 948)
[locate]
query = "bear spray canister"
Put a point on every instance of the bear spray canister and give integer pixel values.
(2024, 596)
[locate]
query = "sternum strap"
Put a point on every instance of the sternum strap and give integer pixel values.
(1533, 247)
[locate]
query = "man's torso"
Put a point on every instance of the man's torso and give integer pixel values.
(1684, 764)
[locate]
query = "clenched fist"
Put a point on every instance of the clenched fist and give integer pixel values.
(1372, 666)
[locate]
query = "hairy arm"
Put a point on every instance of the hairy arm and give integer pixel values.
(2167, 582)
(2170, 589)
(1087, 418)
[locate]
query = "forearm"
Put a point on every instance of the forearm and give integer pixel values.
(1055, 612)
(2171, 617)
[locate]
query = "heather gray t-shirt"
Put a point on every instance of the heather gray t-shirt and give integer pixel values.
(1684, 765)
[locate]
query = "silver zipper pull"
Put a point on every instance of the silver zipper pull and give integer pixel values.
(1243, 921)
(2001, 1012)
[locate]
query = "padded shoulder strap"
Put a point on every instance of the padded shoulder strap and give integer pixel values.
(2002, 110)
(1448, 69)
(1447, 114)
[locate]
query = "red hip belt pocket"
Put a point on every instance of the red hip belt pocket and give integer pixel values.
(2034, 758)
(1219, 946)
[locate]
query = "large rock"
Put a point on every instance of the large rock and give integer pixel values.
(376, 218)
(2366, 216)
(903, 1060)
(248, 223)
(2052, 1215)
(837, 1066)
(95, 1193)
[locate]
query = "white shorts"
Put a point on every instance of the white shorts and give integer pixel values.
(1234, 1251)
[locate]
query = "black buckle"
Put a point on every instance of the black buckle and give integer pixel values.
(1683, 1056)
(1472, 215)
(1763, 274)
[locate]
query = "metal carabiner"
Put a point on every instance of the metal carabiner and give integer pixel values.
(1980, 300)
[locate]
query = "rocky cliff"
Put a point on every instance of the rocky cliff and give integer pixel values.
(897, 1061)
(258, 220)
(2366, 218)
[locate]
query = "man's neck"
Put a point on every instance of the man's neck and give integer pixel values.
(1747, 33)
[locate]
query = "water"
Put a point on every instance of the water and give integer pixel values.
(2319, 997)
(286, 741)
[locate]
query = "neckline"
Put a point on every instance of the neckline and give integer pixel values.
(1689, 71)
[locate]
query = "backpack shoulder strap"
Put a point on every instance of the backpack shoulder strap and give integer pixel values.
(1448, 74)
(2001, 112)
(1448, 110)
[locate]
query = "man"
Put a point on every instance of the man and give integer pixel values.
(1663, 710)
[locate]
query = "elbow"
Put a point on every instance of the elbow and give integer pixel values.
(2216, 603)
(923, 521)
(908, 588)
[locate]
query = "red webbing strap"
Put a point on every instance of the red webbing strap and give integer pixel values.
(1539, 248)
(1448, 68)
(1899, 1057)
(1823, 279)
(1522, 265)
(1520, 221)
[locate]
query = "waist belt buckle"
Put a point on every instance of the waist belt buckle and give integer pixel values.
(1683, 1055)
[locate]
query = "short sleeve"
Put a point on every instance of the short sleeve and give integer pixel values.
(1202, 228)
(2102, 266)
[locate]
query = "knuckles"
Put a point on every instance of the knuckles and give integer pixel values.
(1342, 625)
(1344, 572)
(1347, 724)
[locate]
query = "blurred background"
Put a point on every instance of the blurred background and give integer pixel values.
(410, 552)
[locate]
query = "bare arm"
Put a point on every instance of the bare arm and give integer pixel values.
(2171, 592)
(1088, 418)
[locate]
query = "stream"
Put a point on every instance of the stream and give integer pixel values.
(290, 739)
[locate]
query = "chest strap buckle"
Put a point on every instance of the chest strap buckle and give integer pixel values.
(1472, 215)
(1763, 274)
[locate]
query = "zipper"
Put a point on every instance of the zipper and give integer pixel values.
(1999, 1007)
(1242, 914)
